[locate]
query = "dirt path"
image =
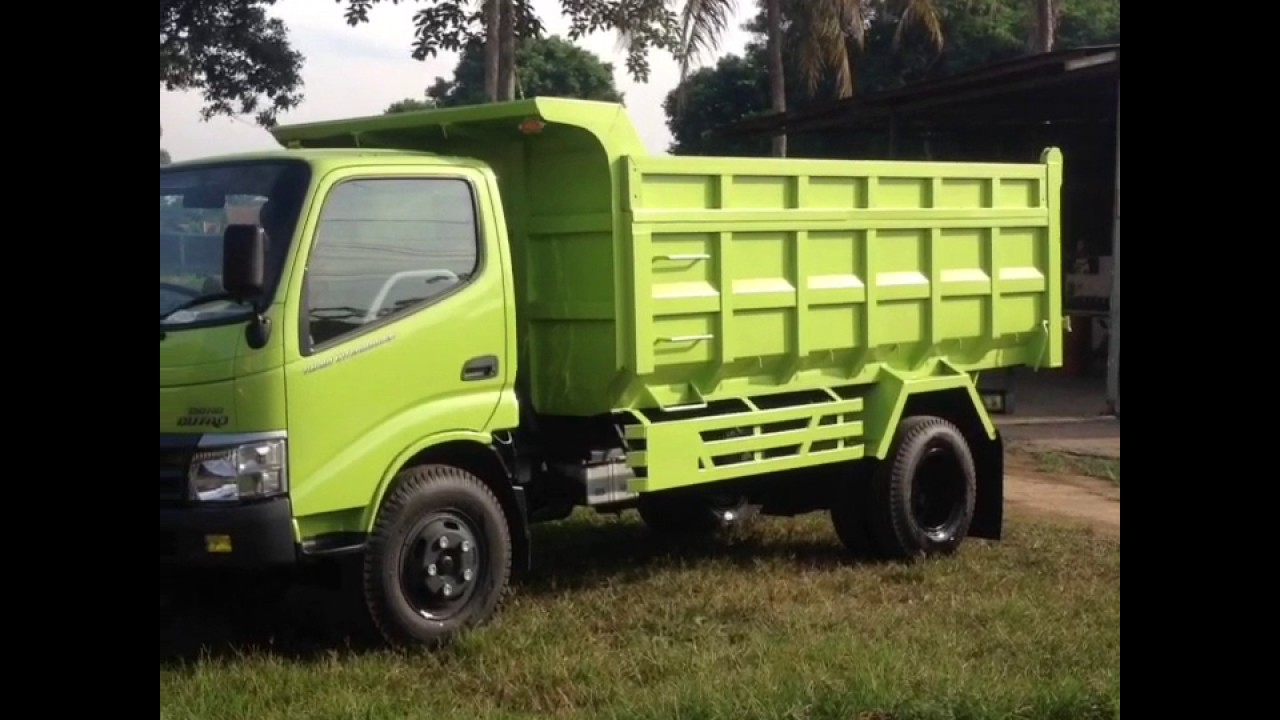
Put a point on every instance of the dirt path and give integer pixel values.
(1074, 498)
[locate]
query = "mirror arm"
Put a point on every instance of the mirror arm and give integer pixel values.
(258, 331)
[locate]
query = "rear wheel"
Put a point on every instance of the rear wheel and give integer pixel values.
(919, 501)
(439, 559)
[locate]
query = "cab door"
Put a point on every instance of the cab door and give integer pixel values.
(402, 330)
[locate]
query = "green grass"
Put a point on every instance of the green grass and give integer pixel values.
(775, 623)
(1065, 463)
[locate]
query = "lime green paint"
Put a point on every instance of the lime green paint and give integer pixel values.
(360, 518)
(369, 516)
(803, 435)
(354, 408)
(851, 422)
(357, 410)
(646, 282)
(214, 372)
(621, 282)
(887, 400)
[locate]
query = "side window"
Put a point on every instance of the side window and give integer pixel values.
(384, 247)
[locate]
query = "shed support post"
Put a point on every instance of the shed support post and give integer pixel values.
(1113, 337)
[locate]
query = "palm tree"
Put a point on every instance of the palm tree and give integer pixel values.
(1046, 20)
(829, 34)
(777, 74)
(499, 50)
(826, 35)
(507, 52)
(492, 20)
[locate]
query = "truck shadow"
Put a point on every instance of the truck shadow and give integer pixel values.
(572, 556)
(316, 622)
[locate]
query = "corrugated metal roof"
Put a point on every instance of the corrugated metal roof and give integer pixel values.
(1056, 77)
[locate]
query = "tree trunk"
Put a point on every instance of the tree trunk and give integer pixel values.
(492, 40)
(507, 57)
(777, 82)
(1045, 22)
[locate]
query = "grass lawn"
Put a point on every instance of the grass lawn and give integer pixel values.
(774, 623)
(1064, 463)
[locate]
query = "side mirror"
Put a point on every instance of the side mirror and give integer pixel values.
(244, 261)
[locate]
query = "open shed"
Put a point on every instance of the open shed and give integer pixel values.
(1008, 111)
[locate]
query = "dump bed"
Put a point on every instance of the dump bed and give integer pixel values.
(653, 281)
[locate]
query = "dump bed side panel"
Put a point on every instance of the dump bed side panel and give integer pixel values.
(755, 275)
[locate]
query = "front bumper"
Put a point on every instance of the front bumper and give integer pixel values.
(251, 535)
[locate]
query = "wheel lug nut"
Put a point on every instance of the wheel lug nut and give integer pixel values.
(466, 546)
(448, 590)
(467, 575)
(431, 569)
(444, 542)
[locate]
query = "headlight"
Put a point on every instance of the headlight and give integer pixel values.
(242, 472)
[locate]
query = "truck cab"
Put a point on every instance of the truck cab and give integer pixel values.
(358, 249)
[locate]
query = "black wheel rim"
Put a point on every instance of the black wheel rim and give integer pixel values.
(937, 492)
(441, 564)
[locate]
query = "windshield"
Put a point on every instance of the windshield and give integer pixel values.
(196, 205)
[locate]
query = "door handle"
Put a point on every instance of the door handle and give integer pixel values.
(480, 368)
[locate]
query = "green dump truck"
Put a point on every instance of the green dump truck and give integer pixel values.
(421, 333)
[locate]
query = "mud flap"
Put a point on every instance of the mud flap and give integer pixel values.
(988, 513)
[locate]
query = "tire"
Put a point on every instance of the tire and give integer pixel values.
(851, 518)
(688, 513)
(439, 558)
(921, 500)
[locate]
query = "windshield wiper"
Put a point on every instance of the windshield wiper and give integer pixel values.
(197, 300)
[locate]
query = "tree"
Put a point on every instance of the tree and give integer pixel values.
(1046, 25)
(710, 97)
(492, 52)
(409, 105)
(978, 32)
(454, 25)
(164, 154)
(230, 50)
(1088, 22)
(777, 77)
(544, 67)
(824, 37)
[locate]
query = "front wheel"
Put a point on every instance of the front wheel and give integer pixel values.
(439, 558)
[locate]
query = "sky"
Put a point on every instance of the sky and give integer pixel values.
(353, 71)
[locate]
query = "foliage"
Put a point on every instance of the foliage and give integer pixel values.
(981, 32)
(448, 25)
(230, 50)
(454, 25)
(735, 88)
(547, 67)
(409, 105)
(642, 25)
(1088, 22)
(702, 23)
(164, 154)
(976, 32)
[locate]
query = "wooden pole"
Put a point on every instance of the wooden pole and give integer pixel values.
(1113, 341)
